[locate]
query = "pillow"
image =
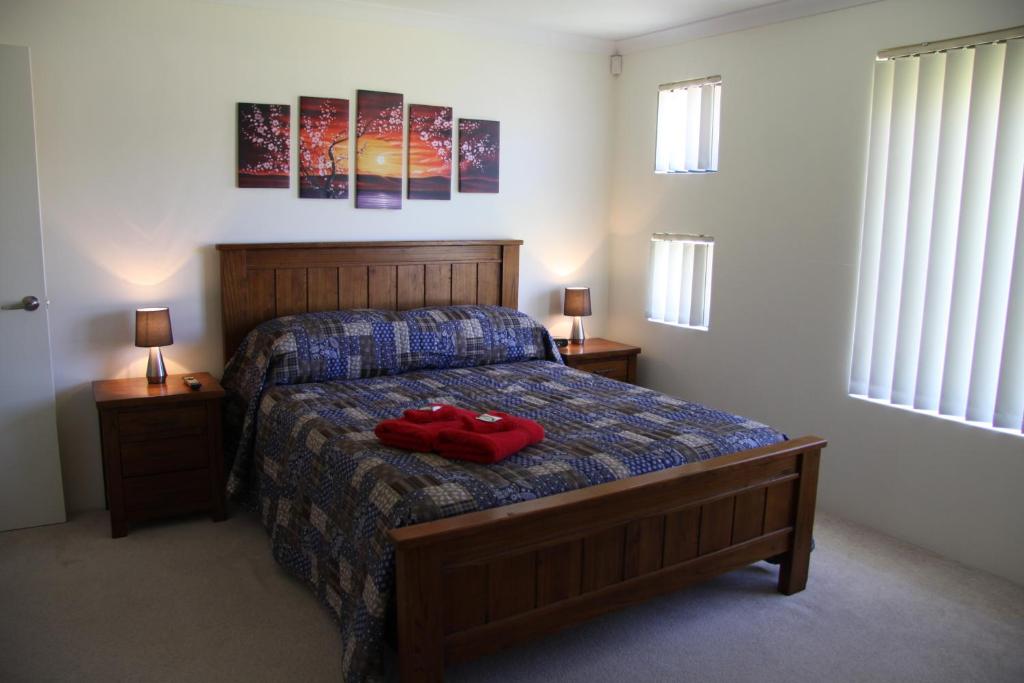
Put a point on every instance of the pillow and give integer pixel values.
(331, 345)
(316, 347)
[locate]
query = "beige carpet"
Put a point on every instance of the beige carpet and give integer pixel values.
(197, 601)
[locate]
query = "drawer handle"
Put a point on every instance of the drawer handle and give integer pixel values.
(605, 372)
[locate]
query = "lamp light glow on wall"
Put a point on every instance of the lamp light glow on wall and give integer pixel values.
(577, 305)
(153, 330)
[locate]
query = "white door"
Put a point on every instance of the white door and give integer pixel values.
(31, 492)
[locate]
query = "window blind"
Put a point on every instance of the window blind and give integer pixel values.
(688, 116)
(939, 324)
(679, 288)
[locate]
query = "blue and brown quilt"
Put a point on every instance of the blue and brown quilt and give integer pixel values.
(306, 392)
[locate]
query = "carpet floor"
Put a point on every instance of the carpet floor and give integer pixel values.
(196, 601)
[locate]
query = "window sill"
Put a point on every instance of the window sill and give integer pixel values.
(934, 413)
(699, 328)
(707, 172)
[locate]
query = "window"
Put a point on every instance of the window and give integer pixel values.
(940, 303)
(679, 291)
(688, 116)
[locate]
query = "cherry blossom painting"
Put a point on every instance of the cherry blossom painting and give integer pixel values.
(379, 120)
(323, 148)
(430, 152)
(264, 151)
(479, 147)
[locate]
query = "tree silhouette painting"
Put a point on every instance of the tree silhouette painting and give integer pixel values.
(479, 147)
(379, 120)
(430, 152)
(323, 148)
(264, 152)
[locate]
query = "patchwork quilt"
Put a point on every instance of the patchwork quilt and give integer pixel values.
(328, 491)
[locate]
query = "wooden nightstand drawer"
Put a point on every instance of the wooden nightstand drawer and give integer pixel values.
(165, 420)
(159, 495)
(614, 369)
(172, 454)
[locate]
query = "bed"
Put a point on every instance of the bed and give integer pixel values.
(558, 539)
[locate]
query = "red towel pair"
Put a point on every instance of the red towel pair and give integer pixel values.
(418, 428)
(489, 438)
(460, 434)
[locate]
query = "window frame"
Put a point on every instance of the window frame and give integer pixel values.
(935, 330)
(711, 137)
(685, 280)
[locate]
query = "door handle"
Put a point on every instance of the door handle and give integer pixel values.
(28, 303)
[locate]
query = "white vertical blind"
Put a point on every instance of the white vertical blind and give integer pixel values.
(693, 131)
(688, 121)
(657, 296)
(674, 284)
(700, 290)
(679, 289)
(1010, 396)
(871, 242)
(707, 108)
(919, 224)
(894, 227)
(970, 240)
(939, 280)
(939, 324)
(716, 118)
(682, 316)
(1002, 232)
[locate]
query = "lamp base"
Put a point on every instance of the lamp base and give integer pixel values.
(578, 335)
(156, 373)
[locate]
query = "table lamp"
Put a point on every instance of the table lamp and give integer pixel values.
(577, 305)
(153, 330)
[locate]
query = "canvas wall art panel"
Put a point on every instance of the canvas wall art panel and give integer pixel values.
(430, 152)
(479, 147)
(323, 148)
(264, 150)
(379, 120)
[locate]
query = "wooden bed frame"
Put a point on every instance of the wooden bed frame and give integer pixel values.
(469, 585)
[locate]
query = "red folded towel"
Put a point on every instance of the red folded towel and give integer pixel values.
(496, 421)
(488, 441)
(417, 429)
(482, 448)
(436, 412)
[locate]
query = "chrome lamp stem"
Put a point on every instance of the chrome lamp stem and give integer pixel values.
(156, 373)
(578, 335)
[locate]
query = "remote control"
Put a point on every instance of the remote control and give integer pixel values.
(192, 383)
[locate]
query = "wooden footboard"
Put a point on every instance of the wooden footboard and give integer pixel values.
(473, 584)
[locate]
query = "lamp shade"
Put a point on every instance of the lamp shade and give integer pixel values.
(153, 327)
(577, 301)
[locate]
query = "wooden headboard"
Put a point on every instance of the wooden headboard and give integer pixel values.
(264, 281)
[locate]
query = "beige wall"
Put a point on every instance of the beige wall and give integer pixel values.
(785, 212)
(135, 107)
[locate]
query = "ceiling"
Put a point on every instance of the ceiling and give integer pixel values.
(604, 26)
(611, 20)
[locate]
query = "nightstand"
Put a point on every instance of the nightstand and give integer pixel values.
(603, 357)
(162, 451)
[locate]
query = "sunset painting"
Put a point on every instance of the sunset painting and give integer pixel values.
(379, 120)
(479, 147)
(430, 152)
(264, 151)
(323, 148)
